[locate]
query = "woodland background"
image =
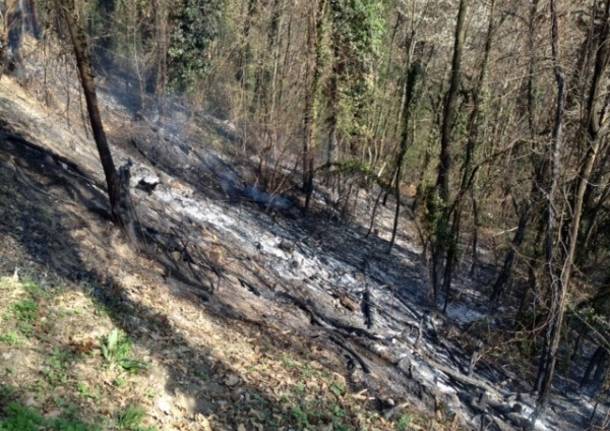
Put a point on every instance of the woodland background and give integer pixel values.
(490, 115)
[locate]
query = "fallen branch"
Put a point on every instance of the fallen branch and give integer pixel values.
(326, 321)
(352, 353)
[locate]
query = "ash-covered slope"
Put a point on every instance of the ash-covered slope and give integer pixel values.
(253, 257)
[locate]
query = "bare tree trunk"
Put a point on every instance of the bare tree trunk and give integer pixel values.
(410, 100)
(334, 104)
(244, 52)
(467, 171)
(68, 12)
(162, 35)
(548, 358)
(450, 104)
(313, 68)
(596, 370)
(384, 83)
(13, 36)
(560, 281)
(444, 167)
(505, 275)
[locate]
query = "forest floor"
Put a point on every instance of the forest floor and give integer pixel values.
(241, 318)
(93, 335)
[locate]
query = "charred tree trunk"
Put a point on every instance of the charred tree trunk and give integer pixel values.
(596, 371)
(444, 168)
(475, 233)
(13, 35)
(116, 190)
(468, 173)
(442, 183)
(505, 276)
(413, 75)
(104, 45)
(559, 282)
(30, 13)
(162, 37)
(314, 69)
(526, 209)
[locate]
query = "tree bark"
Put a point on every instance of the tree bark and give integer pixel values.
(68, 12)
(442, 182)
(162, 37)
(413, 75)
(450, 104)
(312, 80)
(557, 280)
(560, 281)
(467, 169)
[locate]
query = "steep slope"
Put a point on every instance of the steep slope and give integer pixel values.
(248, 319)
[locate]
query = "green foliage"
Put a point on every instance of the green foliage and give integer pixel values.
(196, 26)
(34, 290)
(85, 391)
(309, 411)
(21, 418)
(300, 416)
(25, 310)
(26, 313)
(58, 365)
(403, 423)
(131, 419)
(7, 394)
(358, 28)
(435, 220)
(17, 417)
(117, 349)
(10, 338)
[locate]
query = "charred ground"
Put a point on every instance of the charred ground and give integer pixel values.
(254, 314)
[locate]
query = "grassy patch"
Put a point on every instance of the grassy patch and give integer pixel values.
(10, 338)
(22, 309)
(17, 417)
(131, 419)
(318, 399)
(403, 423)
(25, 313)
(58, 366)
(117, 350)
(61, 369)
(86, 392)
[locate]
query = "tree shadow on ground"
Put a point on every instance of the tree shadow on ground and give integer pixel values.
(46, 200)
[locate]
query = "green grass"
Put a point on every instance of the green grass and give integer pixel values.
(30, 315)
(117, 350)
(57, 366)
(17, 417)
(313, 410)
(403, 423)
(34, 290)
(86, 392)
(131, 419)
(25, 313)
(21, 418)
(10, 338)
